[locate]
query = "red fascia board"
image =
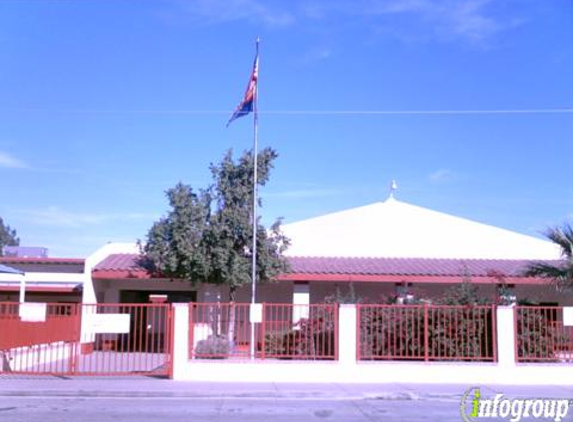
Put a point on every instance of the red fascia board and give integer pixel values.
(367, 278)
(393, 278)
(56, 261)
(121, 274)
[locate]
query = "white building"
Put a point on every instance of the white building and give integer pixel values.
(382, 250)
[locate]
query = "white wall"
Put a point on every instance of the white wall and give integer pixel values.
(37, 358)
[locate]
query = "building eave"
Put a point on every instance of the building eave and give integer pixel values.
(406, 278)
(122, 274)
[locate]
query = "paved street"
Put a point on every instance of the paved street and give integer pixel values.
(103, 409)
(51, 399)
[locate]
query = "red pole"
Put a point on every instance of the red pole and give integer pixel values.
(494, 331)
(426, 340)
(170, 327)
(263, 332)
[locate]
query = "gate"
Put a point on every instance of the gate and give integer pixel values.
(81, 339)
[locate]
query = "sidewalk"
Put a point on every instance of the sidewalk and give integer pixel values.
(49, 386)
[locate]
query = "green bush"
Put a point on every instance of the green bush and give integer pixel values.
(213, 347)
(387, 334)
(461, 334)
(275, 343)
(536, 338)
(312, 339)
(399, 332)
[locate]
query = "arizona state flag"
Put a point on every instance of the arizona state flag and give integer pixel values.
(248, 103)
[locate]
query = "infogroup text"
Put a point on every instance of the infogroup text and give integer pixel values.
(474, 407)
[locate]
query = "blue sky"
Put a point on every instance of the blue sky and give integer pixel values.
(106, 104)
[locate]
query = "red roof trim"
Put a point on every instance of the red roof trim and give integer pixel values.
(55, 261)
(121, 274)
(380, 278)
(366, 278)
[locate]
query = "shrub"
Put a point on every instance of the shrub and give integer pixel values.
(461, 333)
(213, 347)
(275, 343)
(398, 332)
(312, 339)
(391, 332)
(536, 338)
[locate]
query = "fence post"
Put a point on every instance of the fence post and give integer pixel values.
(506, 335)
(347, 334)
(426, 333)
(263, 331)
(75, 345)
(494, 331)
(180, 351)
(193, 311)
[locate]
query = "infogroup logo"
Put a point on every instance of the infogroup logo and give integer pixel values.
(475, 406)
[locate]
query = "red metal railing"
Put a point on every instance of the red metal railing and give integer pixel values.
(60, 324)
(219, 330)
(38, 338)
(115, 339)
(287, 331)
(541, 335)
(426, 332)
(300, 331)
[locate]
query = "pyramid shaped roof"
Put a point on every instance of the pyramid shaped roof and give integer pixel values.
(397, 229)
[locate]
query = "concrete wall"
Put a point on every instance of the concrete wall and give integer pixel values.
(37, 358)
(348, 369)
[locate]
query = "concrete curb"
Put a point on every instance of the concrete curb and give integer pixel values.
(391, 396)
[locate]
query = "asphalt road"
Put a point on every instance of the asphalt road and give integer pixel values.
(181, 409)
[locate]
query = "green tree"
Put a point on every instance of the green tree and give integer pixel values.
(562, 272)
(8, 236)
(207, 235)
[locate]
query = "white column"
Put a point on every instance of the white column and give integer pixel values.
(347, 334)
(300, 298)
(180, 352)
(22, 278)
(505, 336)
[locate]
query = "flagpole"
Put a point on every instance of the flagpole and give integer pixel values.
(255, 203)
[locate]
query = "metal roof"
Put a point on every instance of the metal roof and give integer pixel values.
(9, 270)
(128, 266)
